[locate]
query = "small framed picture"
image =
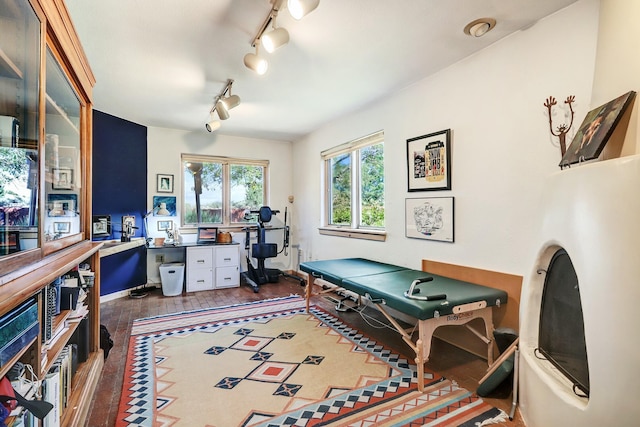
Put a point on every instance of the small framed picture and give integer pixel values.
(62, 179)
(165, 225)
(129, 225)
(429, 162)
(430, 218)
(62, 227)
(164, 183)
(101, 225)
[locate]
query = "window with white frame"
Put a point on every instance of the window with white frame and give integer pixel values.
(218, 190)
(354, 184)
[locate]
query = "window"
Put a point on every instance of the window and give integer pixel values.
(354, 185)
(218, 190)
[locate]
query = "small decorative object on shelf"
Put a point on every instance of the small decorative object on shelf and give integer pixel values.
(562, 129)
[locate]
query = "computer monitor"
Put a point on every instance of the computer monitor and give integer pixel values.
(207, 235)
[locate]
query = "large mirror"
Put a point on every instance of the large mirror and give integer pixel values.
(19, 130)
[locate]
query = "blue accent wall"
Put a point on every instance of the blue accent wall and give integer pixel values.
(120, 189)
(124, 270)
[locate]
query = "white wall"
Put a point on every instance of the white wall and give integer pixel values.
(501, 147)
(617, 64)
(164, 149)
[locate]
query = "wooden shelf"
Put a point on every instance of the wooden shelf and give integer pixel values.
(7, 366)
(83, 386)
(8, 68)
(54, 351)
(53, 108)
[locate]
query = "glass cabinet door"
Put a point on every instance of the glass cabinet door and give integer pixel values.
(20, 41)
(62, 160)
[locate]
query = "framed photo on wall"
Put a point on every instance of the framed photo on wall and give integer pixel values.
(429, 162)
(62, 179)
(62, 227)
(430, 218)
(165, 225)
(164, 183)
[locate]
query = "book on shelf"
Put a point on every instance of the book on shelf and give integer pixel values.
(56, 387)
(51, 393)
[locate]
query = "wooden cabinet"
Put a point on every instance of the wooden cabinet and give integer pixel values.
(213, 267)
(45, 124)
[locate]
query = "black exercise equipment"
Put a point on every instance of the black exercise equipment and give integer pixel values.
(260, 275)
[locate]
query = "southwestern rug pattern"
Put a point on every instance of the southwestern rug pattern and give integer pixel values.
(270, 363)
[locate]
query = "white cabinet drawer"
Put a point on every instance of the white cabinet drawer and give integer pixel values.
(199, 258)
(200, 279)
(227, 277)
(227, 256)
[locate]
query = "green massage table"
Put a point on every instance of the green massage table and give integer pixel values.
(435, 301)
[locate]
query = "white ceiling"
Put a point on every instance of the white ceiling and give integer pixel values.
(161, 63)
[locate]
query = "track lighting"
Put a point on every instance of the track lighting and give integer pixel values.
(213, 124)
(221, 106)
(231, 102)
(254, 62)
(222, 111)
(300, 8)
(277, 37)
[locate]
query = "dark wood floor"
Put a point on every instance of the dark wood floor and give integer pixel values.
(118, 315)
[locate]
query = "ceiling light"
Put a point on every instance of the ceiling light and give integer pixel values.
(221, 106)
(275, 39)
(231, 102)
(254, 62)
(479, 27)
(213, 124)
(222, 111)
(300, 8)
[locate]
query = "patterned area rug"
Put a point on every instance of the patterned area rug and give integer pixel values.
(270, 363)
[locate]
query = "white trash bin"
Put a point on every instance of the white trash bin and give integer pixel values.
(172, 277)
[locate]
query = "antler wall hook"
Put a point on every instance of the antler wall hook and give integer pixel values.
(562, 129)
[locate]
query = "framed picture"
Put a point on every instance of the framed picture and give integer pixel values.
(165, 225)
(164, 206)
(101, 225)
(129, 224)
(164, 183)
(62, 227)
(60, 204)
(430, 218)
(429, 162)
(62, 179)
(595, 130)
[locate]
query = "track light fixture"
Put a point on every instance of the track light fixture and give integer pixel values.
(213, 124)
(277, 37)
(221, 106)
(274, 39)
(254, 62)
(300, 8)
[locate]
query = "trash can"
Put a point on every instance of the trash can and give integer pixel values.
(172, 277)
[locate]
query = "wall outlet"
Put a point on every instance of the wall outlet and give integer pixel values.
(160, 258)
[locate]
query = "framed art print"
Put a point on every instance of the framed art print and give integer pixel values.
(595, 130)
(430, 218)
(165, 225)
(164, 183)
(429, 162)
(62, 179)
